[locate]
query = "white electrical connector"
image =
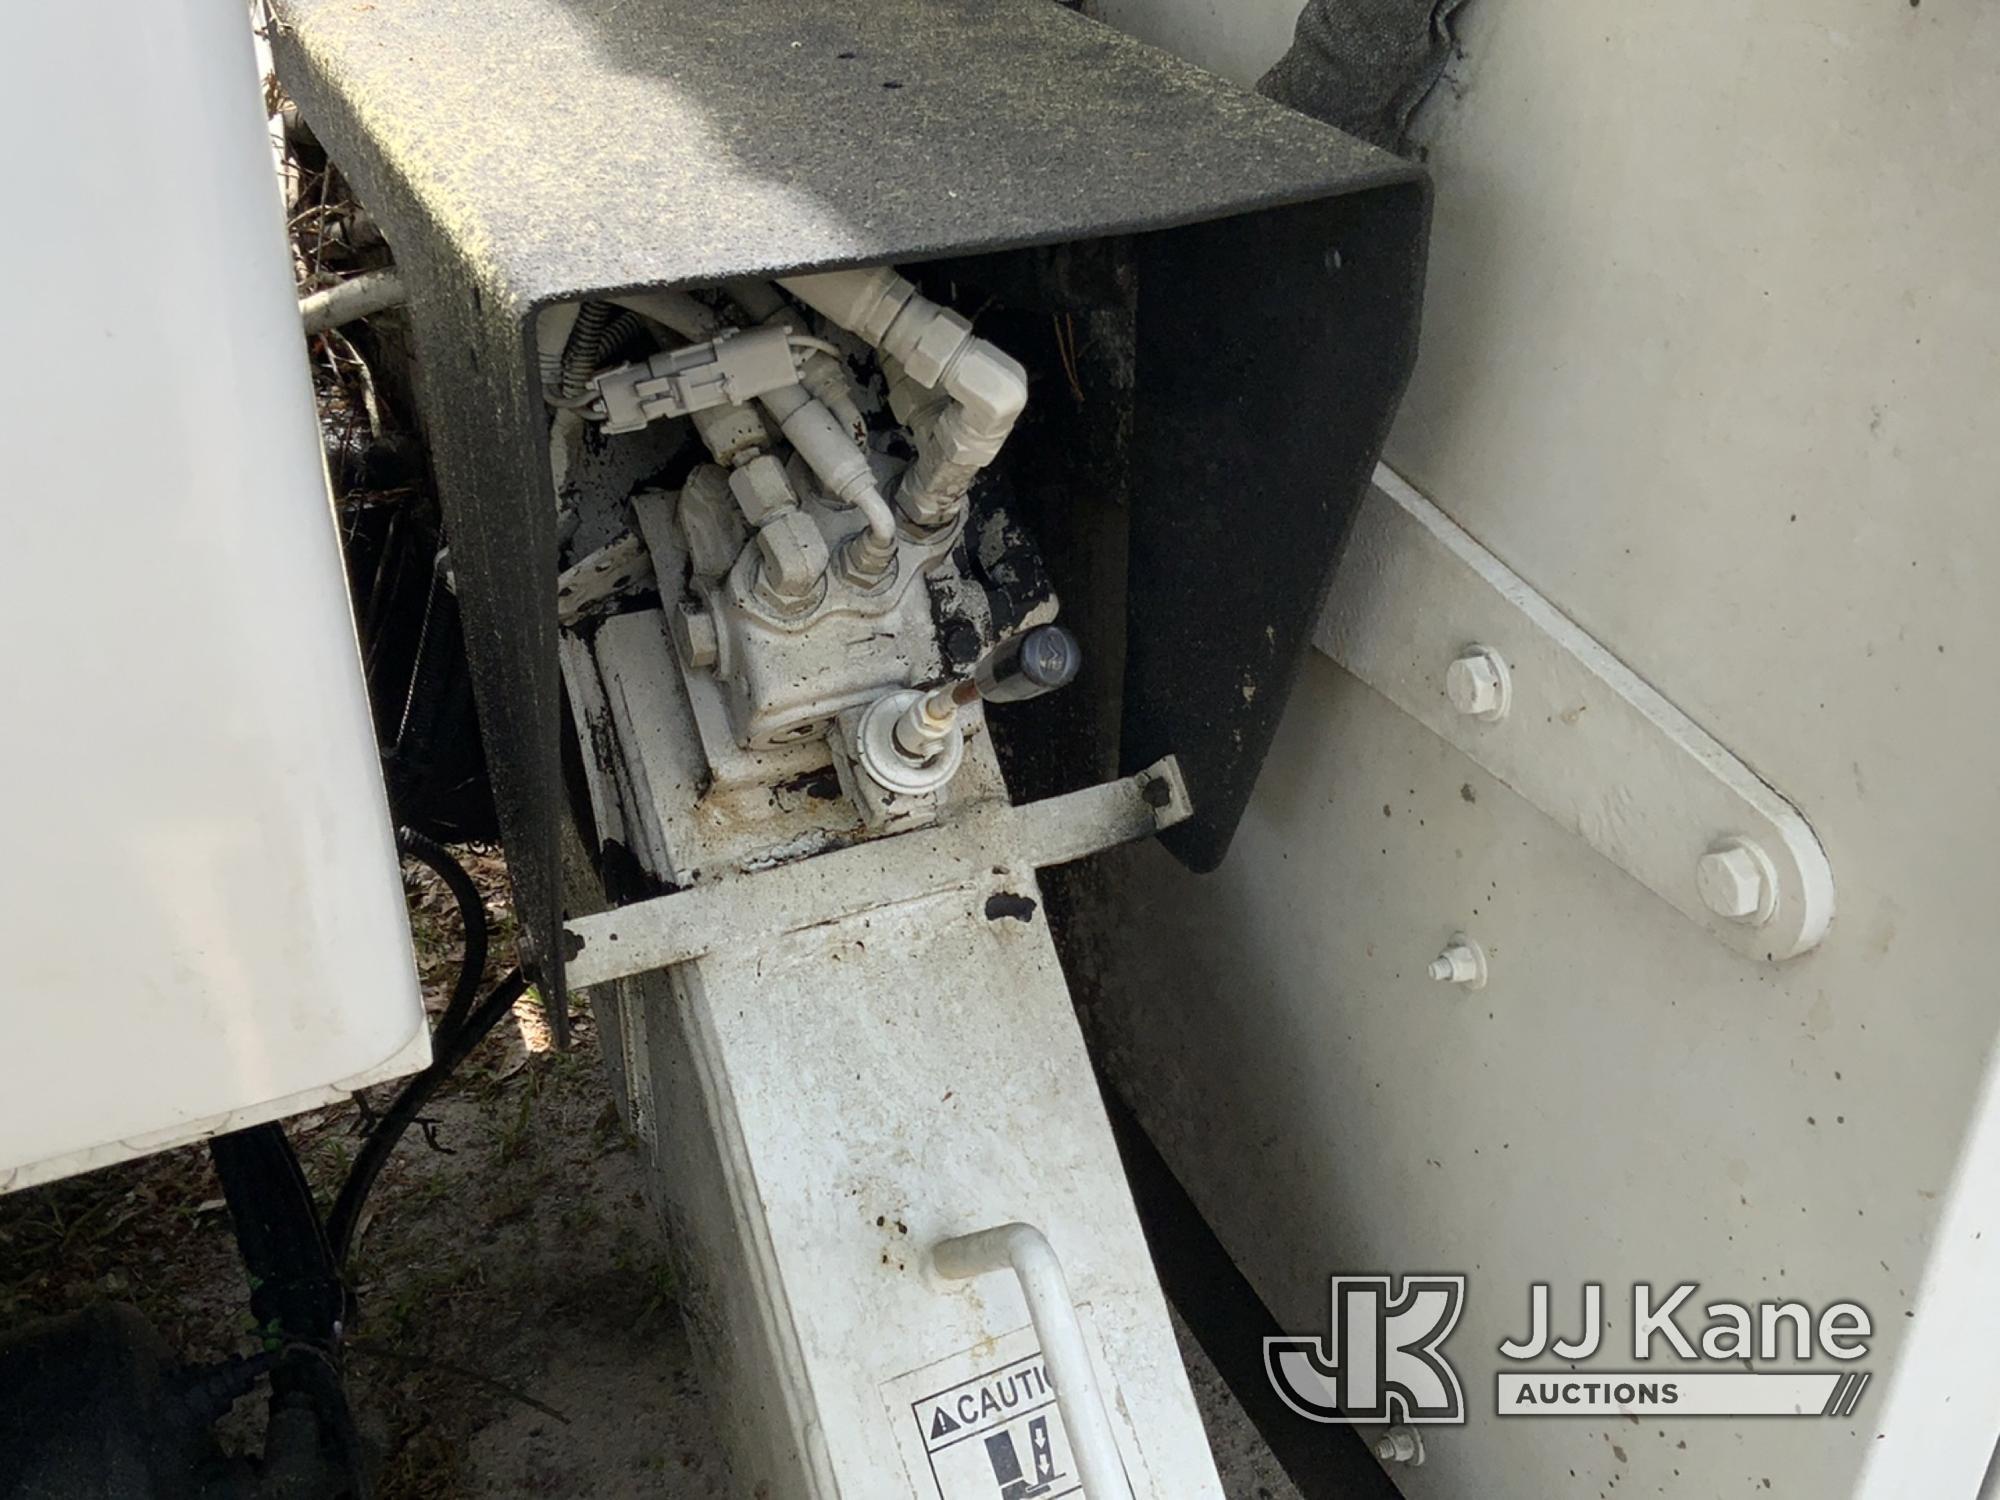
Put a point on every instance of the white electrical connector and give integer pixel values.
(731, 370)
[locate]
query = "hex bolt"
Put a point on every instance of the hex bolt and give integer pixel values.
(1462, 962)
(1478, 685)
(695, 636)
(1400, 1445)
(1737, 881)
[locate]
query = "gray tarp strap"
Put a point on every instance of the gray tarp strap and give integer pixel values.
(1364, 65)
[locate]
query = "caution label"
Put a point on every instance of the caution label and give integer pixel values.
(998, 1436)
(984, 1425)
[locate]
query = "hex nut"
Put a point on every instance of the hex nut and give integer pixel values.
(1736, 881)
(1400, 1445)
(1462, 962)
(937, 345)
(1477, 684)
(859, 565)
(695, 636)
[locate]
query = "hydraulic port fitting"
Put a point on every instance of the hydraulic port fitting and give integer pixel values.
(867, 562)
(791, 563)
(761, 489)
(885, 762)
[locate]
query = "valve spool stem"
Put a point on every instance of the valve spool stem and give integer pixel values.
(1036, 662)
(910, 742)
(930, 721)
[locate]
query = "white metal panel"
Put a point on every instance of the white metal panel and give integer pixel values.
(1237, 38)
(1710, 358)
(825, 1106)
(199, 906)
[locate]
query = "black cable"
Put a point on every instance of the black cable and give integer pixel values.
(433, 856)
(298, 1302)
(449, 1047)
(294, 1261)
(600, 330)
(294, 1284)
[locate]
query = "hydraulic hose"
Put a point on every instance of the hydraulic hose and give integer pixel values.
(448, 1050)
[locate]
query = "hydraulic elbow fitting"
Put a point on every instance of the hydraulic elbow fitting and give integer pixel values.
(935, 347)
(911, 741)
(830, 453)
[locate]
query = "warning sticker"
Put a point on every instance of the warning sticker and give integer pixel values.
(998, 1436)
(984, 1425)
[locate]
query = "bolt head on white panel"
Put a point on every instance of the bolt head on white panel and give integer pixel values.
(1400, 1445)
(1736, 881)
(1477, 684)
(1462, 962)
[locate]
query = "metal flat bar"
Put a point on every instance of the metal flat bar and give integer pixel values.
(986, 844)
(1585, 740)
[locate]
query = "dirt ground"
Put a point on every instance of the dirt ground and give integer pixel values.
(519, 1334)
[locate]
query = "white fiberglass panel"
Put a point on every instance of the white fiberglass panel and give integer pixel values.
(200, 903)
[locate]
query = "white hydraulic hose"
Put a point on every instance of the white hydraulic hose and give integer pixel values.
(823, 374)
(935, 347)
(690, 318)
(359, 297)
(829, 451)
(757, 298)
(820, 420)
(1026, 1251)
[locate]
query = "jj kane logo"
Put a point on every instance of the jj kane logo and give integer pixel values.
(1383, 1358)
(1384, 1362)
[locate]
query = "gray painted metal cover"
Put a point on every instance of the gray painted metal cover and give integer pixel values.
(520, 152)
